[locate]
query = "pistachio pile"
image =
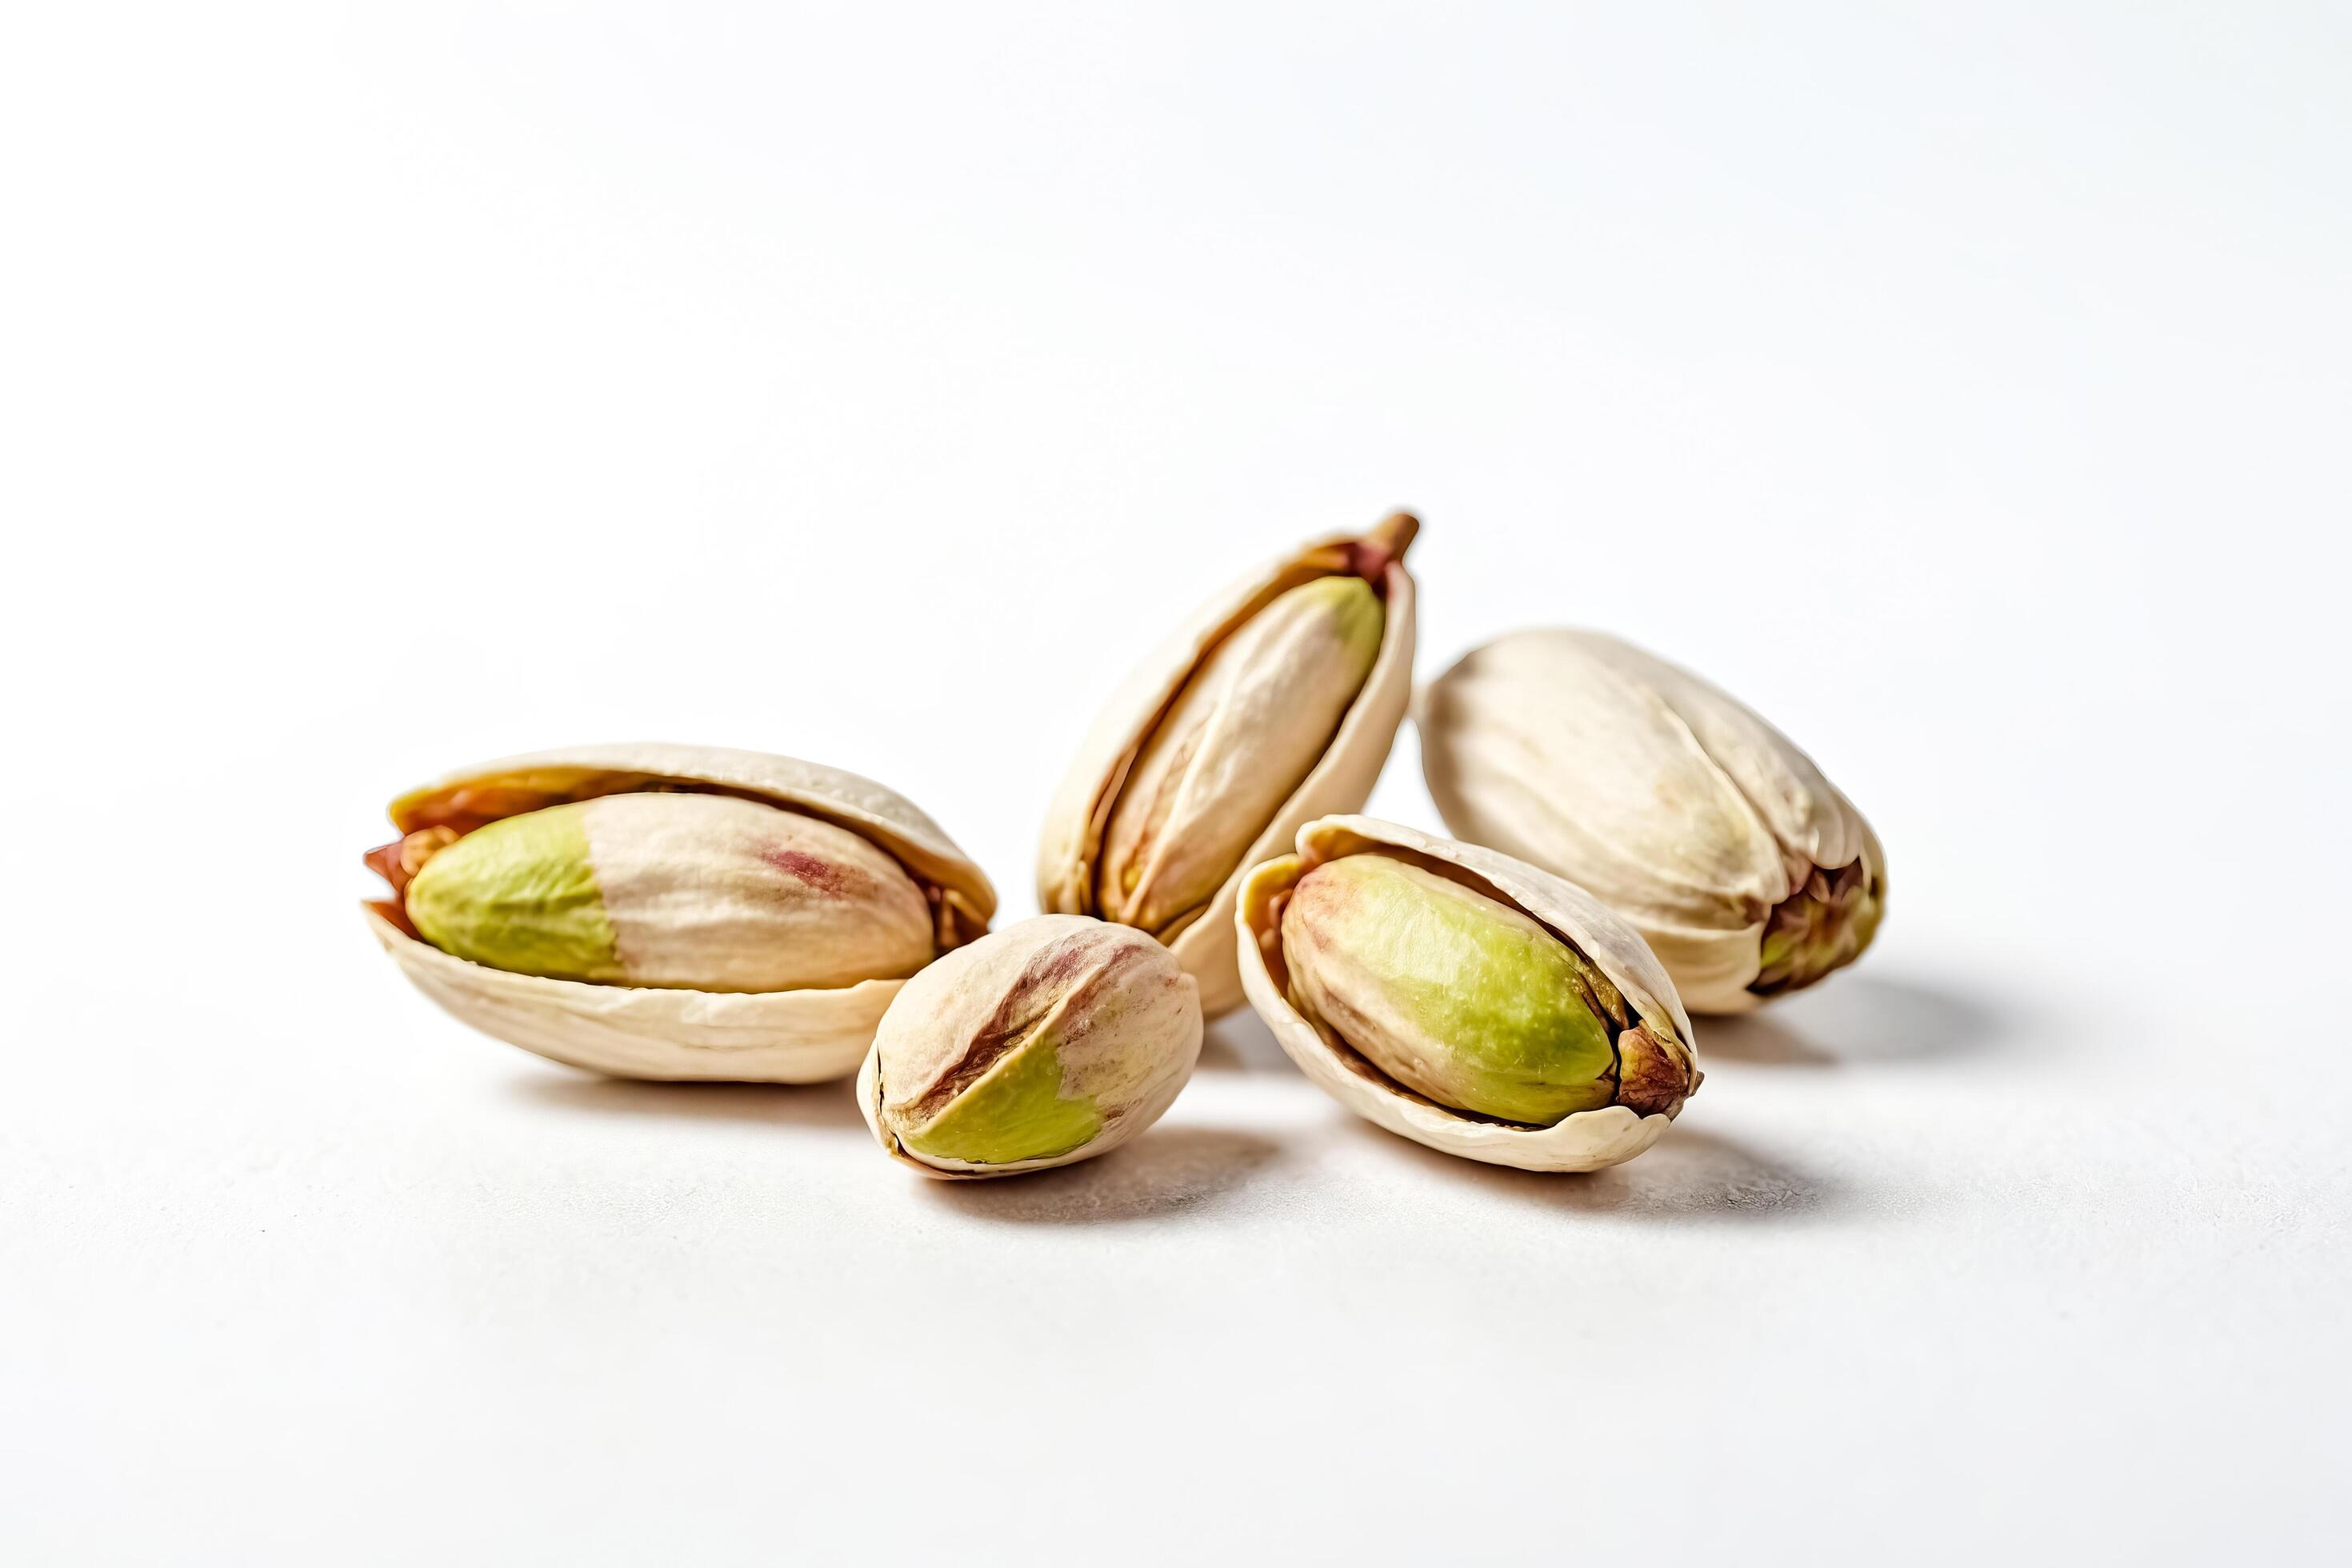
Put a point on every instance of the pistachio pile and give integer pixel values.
(1630, 840)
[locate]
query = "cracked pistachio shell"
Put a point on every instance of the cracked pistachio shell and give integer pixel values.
(1604, 950)
(1051, 1041)
(1743, 868)
(1275, 703)
(672, 912)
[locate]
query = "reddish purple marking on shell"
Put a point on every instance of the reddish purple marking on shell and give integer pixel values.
(811, 870)
(1069, 958)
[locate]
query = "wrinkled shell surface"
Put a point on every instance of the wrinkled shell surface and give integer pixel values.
(782, 1036)
(1125, 1018)
(1668, 800)
(1587, 1141)
(1070, 848)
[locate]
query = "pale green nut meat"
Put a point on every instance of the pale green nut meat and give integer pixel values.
(1464, 1000)
(671, 890)
(1248, 726)
(519, 895)
(1053, 1040)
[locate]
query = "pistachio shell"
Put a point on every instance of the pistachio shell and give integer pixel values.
(804, 1035)
(1674, 803)
(1053, 1040)
(1582, 1140)
(626, 1031)
(1071, 852)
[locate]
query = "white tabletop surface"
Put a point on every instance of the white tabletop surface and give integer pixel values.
(390, 390)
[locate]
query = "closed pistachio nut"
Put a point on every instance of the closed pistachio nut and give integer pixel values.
(1279, 702)
(1469, 1002)
(703, 891)
(672, 911)
(1747, 871)
(1051, 1041)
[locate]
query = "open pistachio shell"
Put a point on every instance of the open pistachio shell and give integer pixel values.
(1071, 850)
(801, 1036)
(1583, 1140)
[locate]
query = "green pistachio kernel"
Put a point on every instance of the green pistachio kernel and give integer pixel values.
(1015, 1112)
(519, 894)
(1457, 996)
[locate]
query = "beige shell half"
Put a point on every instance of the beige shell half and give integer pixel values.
(1587, 1141)
(1071, 845)
(780, 1037)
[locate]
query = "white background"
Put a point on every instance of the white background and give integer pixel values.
(385, 389)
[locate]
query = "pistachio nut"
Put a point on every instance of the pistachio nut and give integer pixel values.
(672, 911)
(1275, 703)
(1051, 1041)
(1745, 871)
(1463, 999)
(706, 892)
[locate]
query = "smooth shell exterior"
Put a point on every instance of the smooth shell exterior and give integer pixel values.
(1654, 790)
(1132, 1121)
(777, 1036)
(864, 807)
(1587, 1141)
(629, 1031)
(1342, 781)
